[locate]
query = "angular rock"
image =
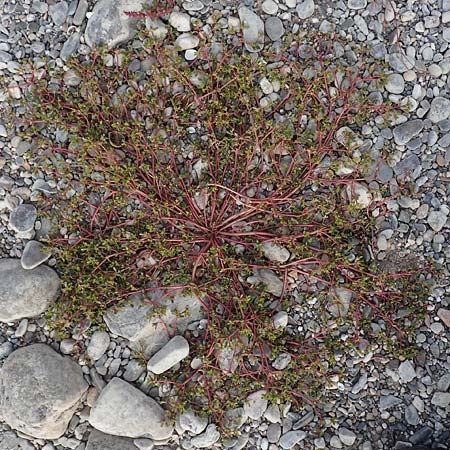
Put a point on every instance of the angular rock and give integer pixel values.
(34, 254)
(441, 399)
(280, 319)
(406, 371)
(123, 410)
(110, 25)
(70, 46)
(444, 315)
(252, 29)
(80, 12)
(189, 421)
(408, 130)
(439, 109)
(275, 252)
(22, 218)
(359, 195)
(58, 12)
(25, 293)
(147, 330)
(171, 354)
(407, 166)
(40, 391)
(134, 370)
(101, 441)
(98, 345)
(291, 438)
(206, 439)
(340, 302)
(255, 405)
(269, 279)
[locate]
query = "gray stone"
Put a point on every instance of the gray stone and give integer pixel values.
(206, 439)
(395, 83)
(192, 422)
(356, 4)
(171, 354)
(25, 293)
(360, 384)
(439, 109)
(144, 444)
(180, 21)
(406, 371)
(22, 218)
(339, 303)
(400, 62)
(98, 345)
(275, 252)
(255, 405)
(134, 370)
(40, 391)
(149, 331)
(407, 166)
(280, 319)
(80, 12)
(305, 9)
(411, 415)
(273, 433)
(253, 29)
(389, 401)
(443, 383)
(70, 46)
(385, 173)
(437, 219)
(441, 399)
(282, 361)
(347, 436)
(3, 132)
(58, 12)
(408, 130)
(34, 254)
(291, 438)
(123, 410)
(274, 28)
(269, 279)
(10, 441)
(272, 414)
(110, 25)
(444, 315)
(186, 41)
(269, 7)
(5, 349)
(101, 441)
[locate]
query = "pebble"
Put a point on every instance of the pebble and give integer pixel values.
(291, 439)
(444, 315)
(395, 83)
(406, 371)
(347, 437)
(357, 4)
(305, 9)
(274, 28)
(34, 254)
(187, 41)
(180, 21)
(441, 399)
(206, 439)
(98, 345)
(171, 354)
(58, 12)
(439, 109)
(255, 405)
(22, 218)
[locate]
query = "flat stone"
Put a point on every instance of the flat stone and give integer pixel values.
(389, 401)
(274, 28)
(70, 46)
(340, 301)
(359, 195)
(272, 414)
(439, 109)
(348, 138)
(437, 219)
(273, 433)
(280, 319)
(180, 21)
(269, 279)
(123, 410)
(275, 252)
(305, 9)
(80, 12)
(347, 436)
(144, 444)
(444, 315)
(206, 439)
(395, 83)
(22, 218)
(34, 254)
(192, 422)
(441, 399)
(411, 415)
(186, 41)
(133, 370)
(291, 439)
(58, 12)
(406, 371)
(147, 330)
(408, 130)
(98, 345)
(171, 354)
(356, 4)
(40, 391)
(407, 166)
(5, 349)
(255, 405)
(269, 7)
(101, 441)
(253, 29)
(110, 25)
(25, 293)
(400, 62)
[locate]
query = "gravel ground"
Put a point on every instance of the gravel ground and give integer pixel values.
(379, 403)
